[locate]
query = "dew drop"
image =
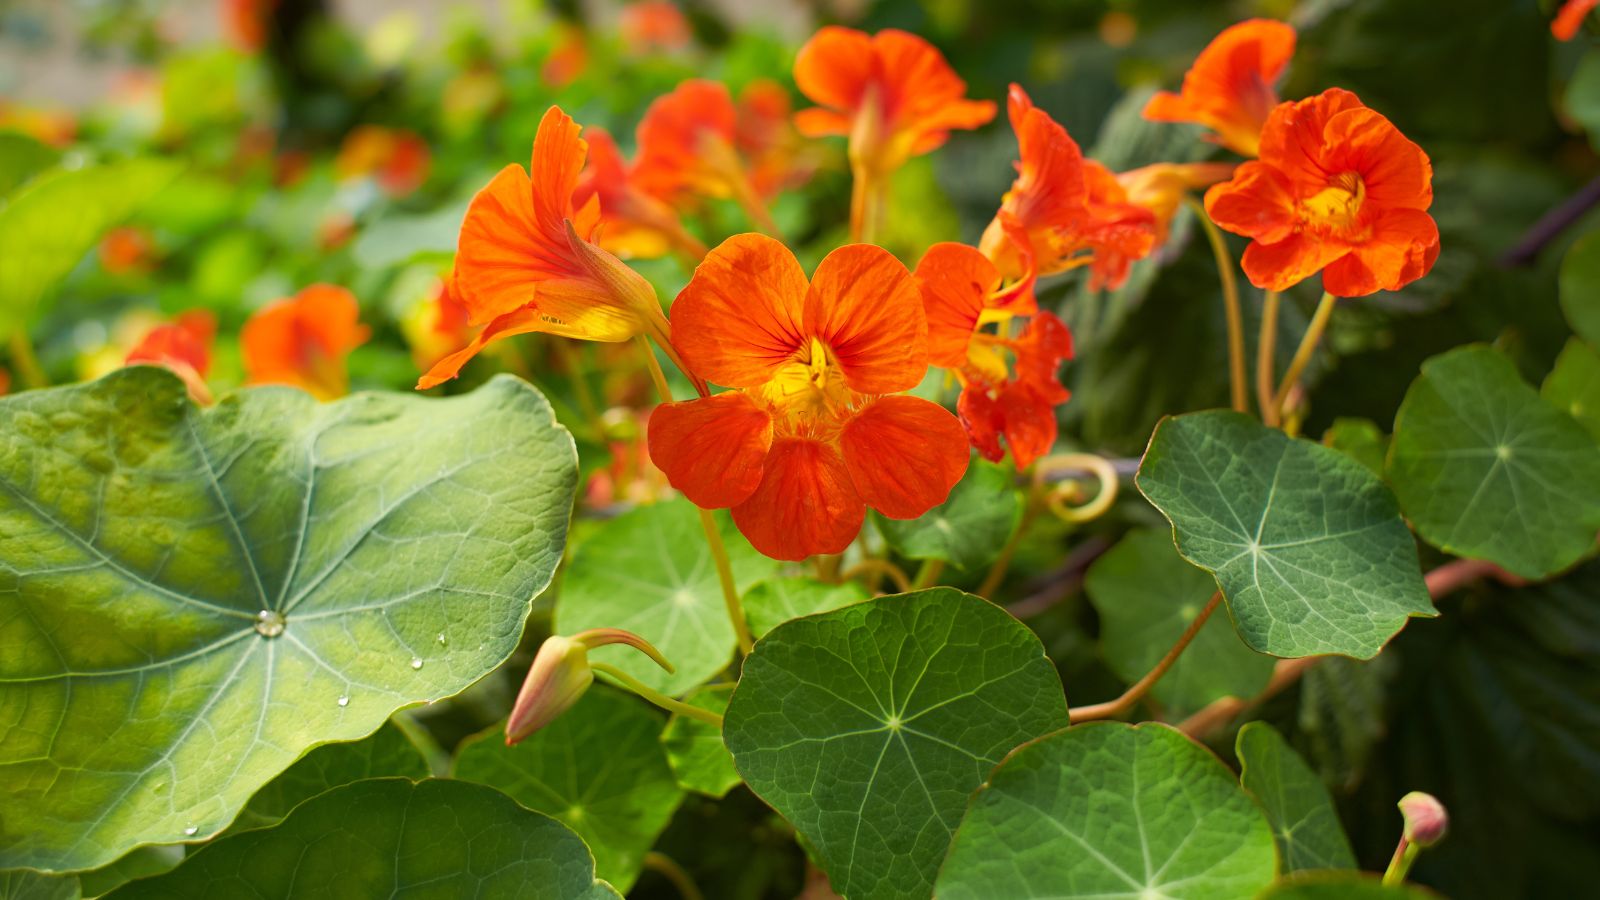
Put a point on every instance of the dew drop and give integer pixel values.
(270, 623)
(441, 637)
(416, 663)
(191, 830)
(344, 701)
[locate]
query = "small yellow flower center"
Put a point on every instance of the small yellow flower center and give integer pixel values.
(1336, 207)
(808, 394)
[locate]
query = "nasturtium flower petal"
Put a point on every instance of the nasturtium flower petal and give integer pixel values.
(1229, 89)
(904, 455)
(866, 307)
(713, 449)
(740, 317)
(303, 341)
(955, 279)
(806, 503)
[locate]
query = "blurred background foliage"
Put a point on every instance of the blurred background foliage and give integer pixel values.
(1494, 707)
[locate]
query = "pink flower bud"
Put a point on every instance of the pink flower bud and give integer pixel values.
(558, 677)
(1426, 819)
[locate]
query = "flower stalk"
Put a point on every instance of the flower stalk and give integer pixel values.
(1302, 354)
(1237, 392)
(1134, 694)
(1266, 353)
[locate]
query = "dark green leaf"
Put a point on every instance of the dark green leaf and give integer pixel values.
(1303, 819)
(1574, 385)
(1338, 885)
(775, 601)
(1580, 279)
(969, 528)
(1359, 439)
(386, 752)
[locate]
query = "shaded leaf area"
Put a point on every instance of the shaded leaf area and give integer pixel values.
(387, 752)
(390, 837)
(1110, 810)
(968, 529)
(868, 727)
(1360, 439)
(1580, 273)
(695, 750)
(23, 884)
(1573, 386)
(1306, 543)
(392, 542)
(1485, 468)
(1496, 711)
(1342, 716)
(1147, 596)
(771, 603)
(650, 572)
(735, 848)
(1339, 885)
(599, 768)
(1304, 822)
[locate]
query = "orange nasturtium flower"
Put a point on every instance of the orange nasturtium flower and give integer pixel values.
(1160, 189)
(811, 435)
(303, 341)
(182, 346)
(126, 249)
(525, 261)
(765, 135)
(568, 58)
(688, 147)
(1338, 189)
(396, 159)
(437, 325)
(653, 25)
(1570, 18)
(1062, 211)
(1231, 86)
(634, 223)
(1008, 384)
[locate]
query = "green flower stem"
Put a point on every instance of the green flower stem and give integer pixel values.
(878, 568)
(655, 696)
(27, 365)
(1230, 300)
(1266, 351)
(997, 572)
(1133, 694)
(928, 574)
(671, 871)
(1405, 853)
(1302, 354)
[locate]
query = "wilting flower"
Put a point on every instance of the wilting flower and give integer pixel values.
(1338, 189)
(126, 249)
(525, 261)
(303, 341)
(184, 347)
(1062, 211)
(436, 326)
(1231, 86)
(560, 675)
(397, 159)
(1570, 18)
(688, 147)
(634, 223)
(807, 440)
(892, 93)
(1008, 384)
(653, 25)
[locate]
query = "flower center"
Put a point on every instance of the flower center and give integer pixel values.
(808, 394)
(1338, 206)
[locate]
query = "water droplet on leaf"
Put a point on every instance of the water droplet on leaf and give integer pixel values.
(416, 663)
(191, 830)
(344, 701)
(270, 623)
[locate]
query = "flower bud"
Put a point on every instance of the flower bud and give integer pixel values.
(558, 677)
(1425, 817)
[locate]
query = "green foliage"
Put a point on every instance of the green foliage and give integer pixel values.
(969, 528)
(695, 750)
(1304, 822)
(1574, 385)
(390, 837)
(650, 572)
(600, 769)
(1147, 595)
(1361, 440)
(392, 543)
(1580, 284)
(773, 602)
(1487, 469)
(386, 752)
(1341, 886)
(1306, 543)
(1583, 95)
(21, 158)
(1104, 809)
(868, 727)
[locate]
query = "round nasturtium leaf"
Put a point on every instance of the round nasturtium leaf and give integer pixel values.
(777, 600)
(867, 727)
(1110, 810)
(1486, 468)
(599, 768)
(1306, 543)
(189, 599)
(968, 529)
(1340, 884)
(390, 837)
(385, 753)
(1304, 822)
(650, 572)
(1574, 385)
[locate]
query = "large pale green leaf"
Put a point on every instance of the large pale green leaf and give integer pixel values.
(1303, 819)
(57, 217)
(390, 837)
(695, 750)
(23, 884)
(1580, 272)
(968, 529)
(1306, 543)
(386, 752)
(1147, 596)
(868, 727)
(775, 601)
(1486, 468)
(599, 768)
(1574, 385)
(649, 571)
(1114, 811)
(394, 543)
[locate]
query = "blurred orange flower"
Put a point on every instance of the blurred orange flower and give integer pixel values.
(765, 135)
(1008, 385)
(303, 341)
(126, 249)
(688, 148)
(245, 22)
(5, 381)
(807, 439)
(184, 347)
(525, 261)
(653, 25)
(569, 57)
(1338, 189)
(437, 325)
(1063, 211)
(1570, 18)
(634, 224)
(396, 158)
(58, 129)
(1230, 88)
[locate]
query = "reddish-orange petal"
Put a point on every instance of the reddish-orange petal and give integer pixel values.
(955, 280)
(1394, 171)
(713, 449)
(904, 455)
(740, 317)
(834, 67)
(806, 503)
(1230, 86)
(1282, 265)
(1567, 22)
(866, 307)
(678, 137)
(1258, 202)
(303, 340)
(520, 321)
(1295, 137)
(1402, 248)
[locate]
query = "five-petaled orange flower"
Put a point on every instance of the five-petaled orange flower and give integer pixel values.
(525, 261)
(184, 348)
(1338, 189)
(1008, 384)
(688, 146)
(1231, 86)
(303, 341)
(892, 93)
(1570, 18)
(1062, 211)
(810, 436)
(396, 159)
(634, 223)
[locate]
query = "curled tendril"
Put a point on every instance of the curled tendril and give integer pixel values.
(1064, 498)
